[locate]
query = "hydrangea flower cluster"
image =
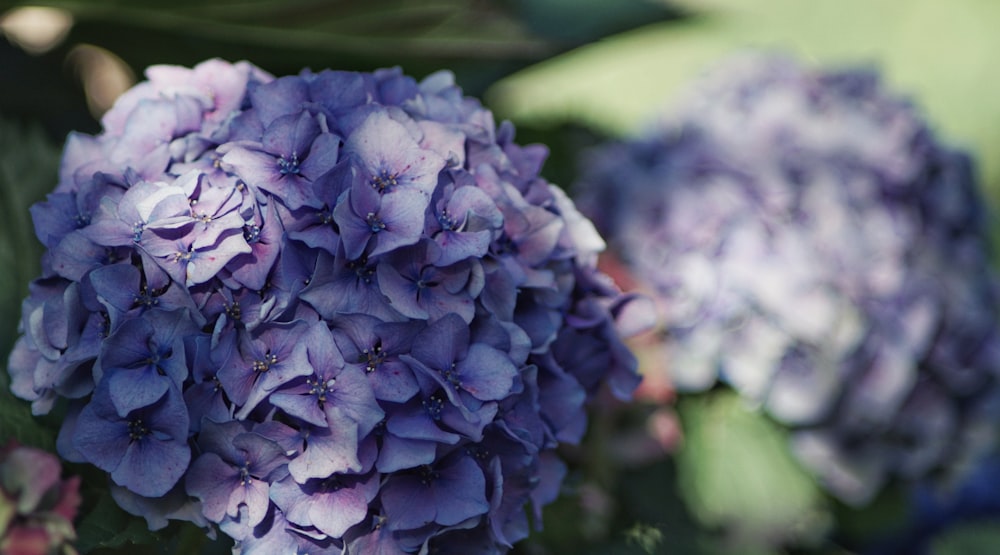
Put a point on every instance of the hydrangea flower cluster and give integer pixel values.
(325, 313)
(37, 506)
(812, 245)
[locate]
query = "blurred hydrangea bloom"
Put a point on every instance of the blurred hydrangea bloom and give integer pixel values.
(326, 312)
(37, 506)
(812, 245)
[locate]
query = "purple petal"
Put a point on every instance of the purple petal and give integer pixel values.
(387, 148)
(456, 246)
(328, 451)
(263, 455)
(254, 496)
(150, 467)
(442, 344)
(262, 170)
(460, 491)
(408, 503)
(487, 373)
(285, 95)
(412, 421)
(302, 404)
(212, 481)
(217, 437)
(402, 213)
(206, 400)
(209, 259)
(402, 292)
(291, 134)
(101, 441)
(134, 389)
(393, 381)
(399, 453)
(352, 396)
(76, 255)
(252, 269)
(354, 207)
(334, 514)
(324, 356)
(323, 156)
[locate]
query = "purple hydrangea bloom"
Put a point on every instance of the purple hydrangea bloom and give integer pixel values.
(232, 475)
(812, 245)
(145, 449)
(323, 313)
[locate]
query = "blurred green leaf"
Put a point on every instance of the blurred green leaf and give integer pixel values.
(107, 526)
(459, 28)
(479, 41)
(28, 170)
(941, 53)
(736, 474)
(17, 422)
(28, 167)
(587, 20)
(888, 513)
(650, 503)
(968, 539)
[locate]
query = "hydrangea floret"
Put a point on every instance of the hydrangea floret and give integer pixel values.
(814, 246)
(331, 312)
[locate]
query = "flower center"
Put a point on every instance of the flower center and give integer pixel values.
(137, 229)
(446, 221)
(234, 311)
(110, 256)
(325, 215)
(505, 245)
(433, 406)
(81, 220)
(289, 165)
(137, 429)
(331, 484)
(320, 388)
(451, 375)
(262, 365)
(251, 233)
(178, 256)
(372, 357)
(362, 270)
(245, 477)
(428, 475)
(144, 299)
(384, 181)
(478, 452)
(374, 222)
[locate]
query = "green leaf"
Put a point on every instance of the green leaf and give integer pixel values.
(17, 422)
(586, 20)
(978, 537)
(888, 513)
(28, 167)
(479, 41)
(108, 526)
(736, 474)
(401, 29)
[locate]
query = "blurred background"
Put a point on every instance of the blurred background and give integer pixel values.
(650, 479)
